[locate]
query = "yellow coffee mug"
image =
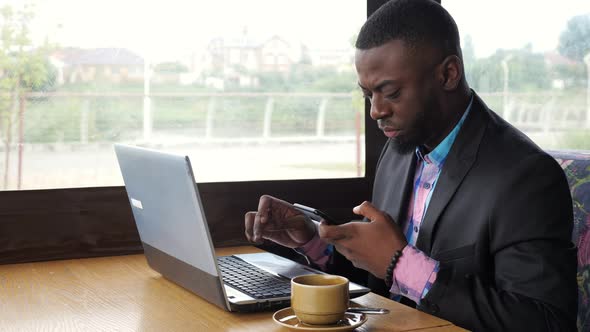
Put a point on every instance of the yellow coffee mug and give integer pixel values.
(319, 299)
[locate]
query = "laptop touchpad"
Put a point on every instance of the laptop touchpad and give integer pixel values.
(277, 264)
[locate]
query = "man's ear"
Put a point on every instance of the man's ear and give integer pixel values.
(451, 72)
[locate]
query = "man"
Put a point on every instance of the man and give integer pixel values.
(469, 219)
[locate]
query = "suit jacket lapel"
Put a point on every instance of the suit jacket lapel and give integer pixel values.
(390, 194)
(459, 161)
(407, 168)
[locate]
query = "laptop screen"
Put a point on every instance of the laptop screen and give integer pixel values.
(166, 205)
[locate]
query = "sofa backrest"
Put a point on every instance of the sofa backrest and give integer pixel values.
(576, 166)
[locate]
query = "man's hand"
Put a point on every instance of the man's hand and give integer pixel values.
(280, 222)
(368, 245)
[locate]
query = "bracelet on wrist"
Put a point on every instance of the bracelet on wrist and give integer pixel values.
(391, 267)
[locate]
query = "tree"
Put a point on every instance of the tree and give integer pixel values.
(528, 71)
(574, 41)
(23, 68)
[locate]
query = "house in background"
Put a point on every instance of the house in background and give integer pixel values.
(556, 61)
(237, 60)
(115, 65)
(240, 60)
(277, 55)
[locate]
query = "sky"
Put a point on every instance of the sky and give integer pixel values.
(165, 29)
(510, 24)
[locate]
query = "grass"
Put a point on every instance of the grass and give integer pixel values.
(575, 140)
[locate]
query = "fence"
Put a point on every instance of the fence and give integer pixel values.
(542, 111)
(207, 116)
(259, 117)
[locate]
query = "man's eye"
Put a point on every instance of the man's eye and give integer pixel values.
(393, 95)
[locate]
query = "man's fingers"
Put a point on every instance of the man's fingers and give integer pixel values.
(368, 210)
(264, 207)
(267, 204)
(334, 233)
(270, 214)
(249, 225)
(260, 218)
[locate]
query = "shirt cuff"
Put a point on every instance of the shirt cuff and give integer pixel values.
(414, 274)
(317, 251)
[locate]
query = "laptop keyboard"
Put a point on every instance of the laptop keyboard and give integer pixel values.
(252, 280)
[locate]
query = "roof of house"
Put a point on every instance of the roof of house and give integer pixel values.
(555, 58)
(98, 56)
(244, 41)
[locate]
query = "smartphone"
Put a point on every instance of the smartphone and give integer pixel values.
(315, 214)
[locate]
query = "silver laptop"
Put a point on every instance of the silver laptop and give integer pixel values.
(173, 229)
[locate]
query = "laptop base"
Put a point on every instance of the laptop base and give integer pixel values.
(185, 275)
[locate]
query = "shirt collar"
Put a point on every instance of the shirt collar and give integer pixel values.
(440, 153)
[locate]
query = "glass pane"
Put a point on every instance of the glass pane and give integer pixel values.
(530, 62)
(250, 90)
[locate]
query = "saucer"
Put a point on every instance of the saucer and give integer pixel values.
(286, 317)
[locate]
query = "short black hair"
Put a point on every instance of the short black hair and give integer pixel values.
(415, 22)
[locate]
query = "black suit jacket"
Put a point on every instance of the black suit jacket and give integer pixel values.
(499, 222)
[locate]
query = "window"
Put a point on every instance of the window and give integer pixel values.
(237, 120)
(530, 62)
(68, 130)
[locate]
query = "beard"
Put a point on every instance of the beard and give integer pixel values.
(420, 130)
(403, 147)
(414, 136)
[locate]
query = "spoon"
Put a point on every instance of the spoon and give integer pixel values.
(368, 311)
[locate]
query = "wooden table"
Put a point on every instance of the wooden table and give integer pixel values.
(122, 293)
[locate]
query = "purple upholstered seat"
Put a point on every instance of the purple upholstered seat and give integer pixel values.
(576, 165)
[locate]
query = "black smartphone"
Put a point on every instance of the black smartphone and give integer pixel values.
(315, 214)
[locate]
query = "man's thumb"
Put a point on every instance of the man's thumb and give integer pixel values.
(368, 210)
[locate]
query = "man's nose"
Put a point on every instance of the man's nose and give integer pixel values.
(379, 109)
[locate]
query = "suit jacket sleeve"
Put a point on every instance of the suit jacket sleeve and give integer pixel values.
(533, 260)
